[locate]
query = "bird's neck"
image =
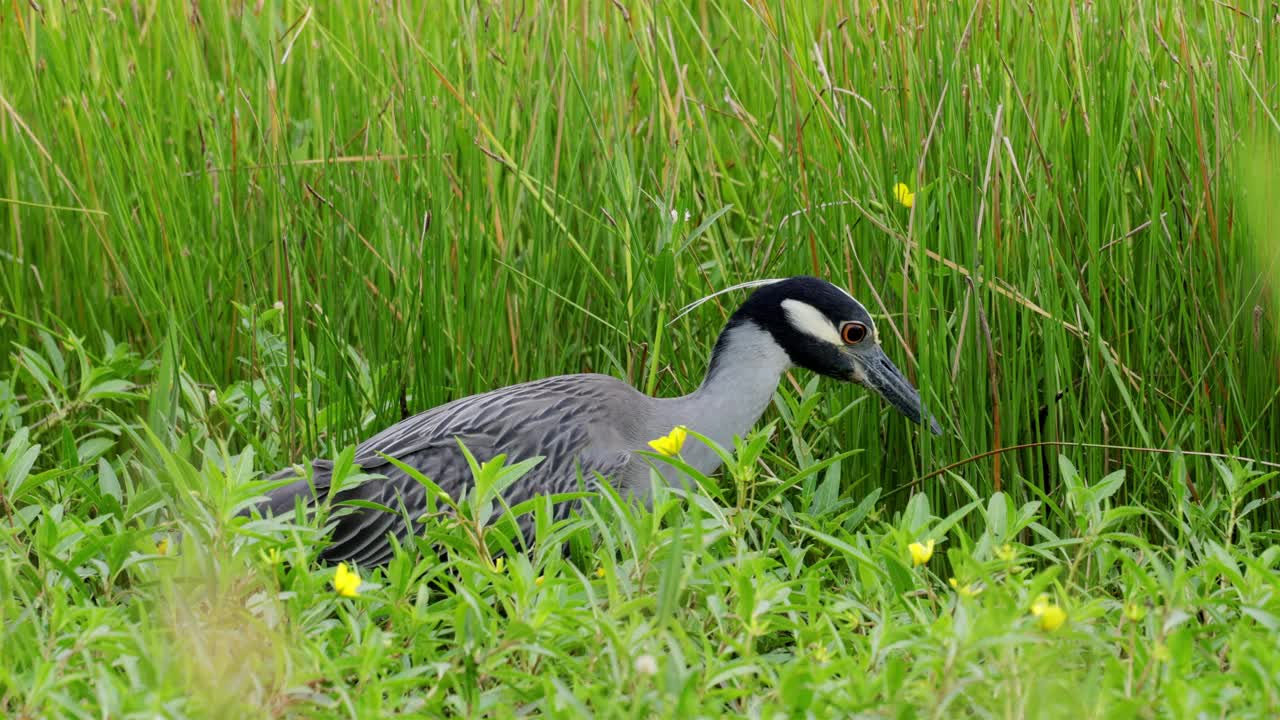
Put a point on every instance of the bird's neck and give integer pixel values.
(742, 376)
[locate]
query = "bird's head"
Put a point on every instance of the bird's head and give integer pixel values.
(823, 329)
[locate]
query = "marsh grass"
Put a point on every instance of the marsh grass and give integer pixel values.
(238, 236)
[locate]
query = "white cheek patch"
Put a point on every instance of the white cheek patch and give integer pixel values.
(811, 321)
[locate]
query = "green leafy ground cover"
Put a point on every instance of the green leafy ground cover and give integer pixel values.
(236, 235)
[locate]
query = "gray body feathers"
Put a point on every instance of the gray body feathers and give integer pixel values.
(560, 419)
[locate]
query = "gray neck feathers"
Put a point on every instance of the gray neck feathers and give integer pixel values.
(743, 374)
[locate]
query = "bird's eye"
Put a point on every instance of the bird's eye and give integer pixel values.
(853, 332)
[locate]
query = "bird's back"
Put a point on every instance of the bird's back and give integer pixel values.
(589, 422)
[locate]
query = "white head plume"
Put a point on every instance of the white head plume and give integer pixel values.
(748, 284)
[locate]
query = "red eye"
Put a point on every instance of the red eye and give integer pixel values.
(853, 332)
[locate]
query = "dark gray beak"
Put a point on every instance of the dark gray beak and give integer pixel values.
(873, 369)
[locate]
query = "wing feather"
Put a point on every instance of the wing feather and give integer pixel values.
(576, 423)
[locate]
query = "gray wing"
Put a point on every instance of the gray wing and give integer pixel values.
(579, 425)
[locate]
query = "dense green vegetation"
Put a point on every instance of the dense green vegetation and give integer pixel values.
(236, 235)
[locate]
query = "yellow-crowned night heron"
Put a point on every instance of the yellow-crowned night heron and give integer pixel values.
(586, 424)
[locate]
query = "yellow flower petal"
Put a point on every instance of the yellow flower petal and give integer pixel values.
(599, 572)
(1134, 611)
(346, 581)
(1038, 607)
(671, 443)
(162, 547)
(965, 591)
(920, 554)
(903, 194)
(1052, 617)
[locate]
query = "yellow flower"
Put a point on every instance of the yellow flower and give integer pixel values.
(920, 554)
(903, 194)
(500, 564)
(965, 591)
(1007, 552)
(599, 572)
(670, 444)
(539, 581)
(346, 581)
(1051, 616)
(162, 547)
(271, 555)
(1134, 611)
